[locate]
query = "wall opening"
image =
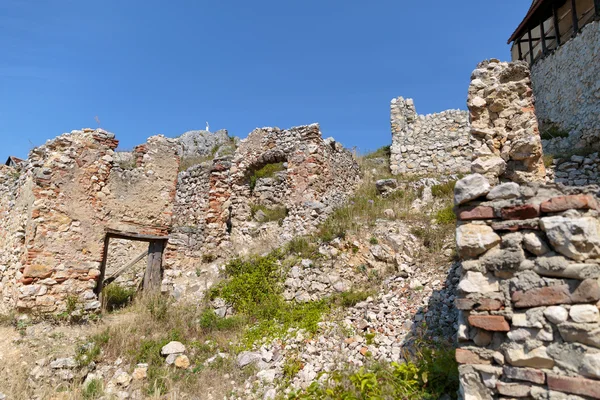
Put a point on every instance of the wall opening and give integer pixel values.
(131, 263)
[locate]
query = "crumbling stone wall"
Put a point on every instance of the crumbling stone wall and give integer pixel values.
(426, 144)
(16, 199)
(529, 290)
(189, 217)
(566, 85)
(528, 296)
(67, 197)
(507, 143)
(320, 175)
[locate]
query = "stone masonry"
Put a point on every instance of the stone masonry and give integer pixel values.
(58, 210)
(529, 290)
(507, 144)
(426, 144)
(320, 175)
(529, 293)
(566, 85)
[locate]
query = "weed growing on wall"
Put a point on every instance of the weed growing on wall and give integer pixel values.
(268, 171)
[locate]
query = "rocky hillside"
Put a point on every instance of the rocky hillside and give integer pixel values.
(360, 309)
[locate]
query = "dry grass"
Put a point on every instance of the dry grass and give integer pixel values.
(153, 321)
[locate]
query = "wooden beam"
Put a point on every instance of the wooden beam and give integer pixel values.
(555, 21)
(114, 233)
(530, 46)
(597, 7)
(153, 275)
(99, 285)
(130, 264)
(543, 35)
(520, 51)
(574, 15)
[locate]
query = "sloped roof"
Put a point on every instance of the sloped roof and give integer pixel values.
(535, 6)
(14, 159)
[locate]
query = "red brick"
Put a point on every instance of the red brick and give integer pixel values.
(464, 356)
(479, 212)
(479, 305)
(489, 305)
(525, 211)
(464, 304)
(495, 323)
(570, 202)
(580, 386)
(513, 389)
(546, 296)
(525, 374)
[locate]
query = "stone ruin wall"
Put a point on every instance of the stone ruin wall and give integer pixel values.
(428, 144)
(16, 199)
(528, 297)
(320, 175)
(566, 85)
(507, 144)
(68, 195)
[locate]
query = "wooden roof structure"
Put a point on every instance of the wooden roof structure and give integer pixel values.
(550, 23)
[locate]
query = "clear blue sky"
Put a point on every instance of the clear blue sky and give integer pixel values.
(148, 67)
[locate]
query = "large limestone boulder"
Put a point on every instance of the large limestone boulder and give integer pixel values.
(576, 238)
(473, 240)
(470, 187)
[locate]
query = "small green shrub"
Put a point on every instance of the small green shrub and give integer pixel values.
(116, 296)
(71, 302)
(382, 152)
(302, 247)
(90, 351)
(554, 131)
(432, 374)
(267, 171)
(208, 258)
(373, 240)
(158, 306)
(254, 288)
(291, 367)
(210, 321)
(443, 189)
(350, 299)
(445, 215)
(93, 389)
(277, 213)
(548, 160)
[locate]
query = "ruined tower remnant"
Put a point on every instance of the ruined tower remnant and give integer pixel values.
(507, 144)
(529, 294)
(426, 144)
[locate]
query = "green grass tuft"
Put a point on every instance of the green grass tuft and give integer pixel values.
(268, 171)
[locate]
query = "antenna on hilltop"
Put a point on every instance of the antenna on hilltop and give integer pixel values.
(207, 127)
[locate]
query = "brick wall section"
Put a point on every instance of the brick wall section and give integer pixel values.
(72, 193)
(426, 144)
(504, 128)
(529, 290)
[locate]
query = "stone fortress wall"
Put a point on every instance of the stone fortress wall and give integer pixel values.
(58, 206)
(428, 144)
(566, 85)
(67, 195)
(529, 324)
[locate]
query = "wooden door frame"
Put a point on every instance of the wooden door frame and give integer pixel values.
(153, 272)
